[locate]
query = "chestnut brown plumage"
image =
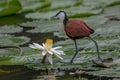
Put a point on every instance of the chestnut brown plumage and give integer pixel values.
(76, 29)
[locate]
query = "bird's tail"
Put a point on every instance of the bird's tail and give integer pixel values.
(92, 31)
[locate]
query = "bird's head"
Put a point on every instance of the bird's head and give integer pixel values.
(62, 15)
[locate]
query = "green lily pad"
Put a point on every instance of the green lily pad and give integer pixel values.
(113, 11)
(82, 11)
(106, 72)
(40, 15)
(30, 6)
(6, 40)
(10, 7)
(59, 3)
(10, 20)
(43, 26)
(10, 56)
(7, 60)
(74, 11)
(101, 3)
(10, 29)
(77, 11)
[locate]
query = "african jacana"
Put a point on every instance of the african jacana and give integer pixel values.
(76, 29)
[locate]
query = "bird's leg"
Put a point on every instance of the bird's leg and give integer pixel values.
(99, 58)
(76, 52)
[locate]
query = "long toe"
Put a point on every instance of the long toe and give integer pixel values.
(80, 49)
(100, 60)
(71, 62)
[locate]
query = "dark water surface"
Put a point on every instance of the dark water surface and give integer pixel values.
(23, 73)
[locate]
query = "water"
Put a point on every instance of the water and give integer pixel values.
(23, 73)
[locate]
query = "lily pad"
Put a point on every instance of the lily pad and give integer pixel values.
(43, 26)
(77, 11)
(112, 11)
(10, 7)
(30, 6)
(101, 3)
(40, 15)
(59, 3)
(10, 29)
(6, 40)
(82, 11)
(10, 56)
(107, 73)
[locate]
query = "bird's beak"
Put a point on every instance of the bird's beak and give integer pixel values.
(53, 17)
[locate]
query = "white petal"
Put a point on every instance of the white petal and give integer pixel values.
(34, 46)
(61, 52)
(43, 44)
(31, 46)
(55, 51)
(57, 47)
(49, 57)
(44, 53)
(50, 52)
(58, 56)
(39, 46)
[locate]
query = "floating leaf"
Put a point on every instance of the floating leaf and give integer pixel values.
(11, 7)
(10, 29)
(10, 56)
(43, 26)
(6, 40)
(32, 5)
(77, 11)
(40, 15)
(10, 20)
(117, 2)
(59, 3)
(101, 3)
(107, 72)
(113, 11)
(82, 11)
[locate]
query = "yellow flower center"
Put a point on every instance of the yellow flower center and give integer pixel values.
(48, 44)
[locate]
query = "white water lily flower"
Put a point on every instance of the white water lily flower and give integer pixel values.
(47, 50)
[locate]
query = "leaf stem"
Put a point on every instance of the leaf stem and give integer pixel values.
(19, 48)
(43, 60)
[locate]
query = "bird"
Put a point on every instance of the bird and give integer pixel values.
(76, 29)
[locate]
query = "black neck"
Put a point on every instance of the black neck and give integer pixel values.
(65, 20)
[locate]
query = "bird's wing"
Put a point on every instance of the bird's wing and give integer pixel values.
(77, 28)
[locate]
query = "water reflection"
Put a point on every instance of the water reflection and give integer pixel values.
(23, 73)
